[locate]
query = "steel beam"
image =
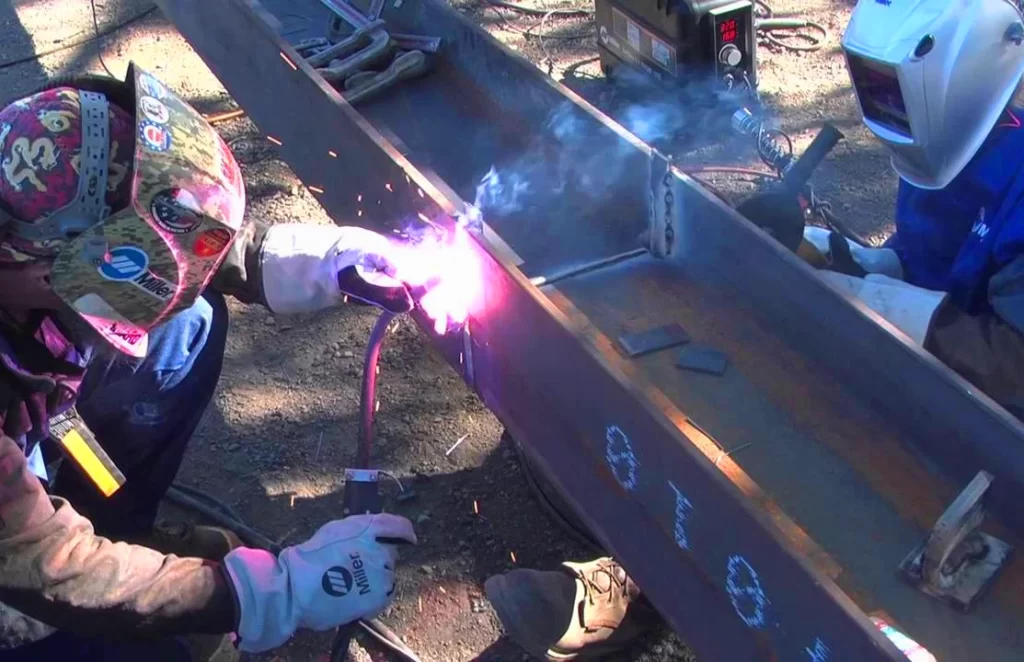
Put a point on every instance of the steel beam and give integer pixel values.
(731, 572)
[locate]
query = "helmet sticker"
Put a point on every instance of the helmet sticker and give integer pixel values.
(211, 242)
(155, 137)
(152, 86)
(111, 324)
(171, 211)
(125, 263)
(131, 264)
(154, 110)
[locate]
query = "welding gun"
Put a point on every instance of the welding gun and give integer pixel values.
(779, 211)
(362, 494)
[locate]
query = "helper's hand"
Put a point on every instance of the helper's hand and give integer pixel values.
(829, 250)
(345, 572)
(311, 267)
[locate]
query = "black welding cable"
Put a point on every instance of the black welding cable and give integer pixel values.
(767, 24)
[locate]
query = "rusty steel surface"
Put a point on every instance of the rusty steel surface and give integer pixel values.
(763, 512)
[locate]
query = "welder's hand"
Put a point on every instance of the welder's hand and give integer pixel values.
(345, 572)
(907, 307)
(312, 267)
(829, 250)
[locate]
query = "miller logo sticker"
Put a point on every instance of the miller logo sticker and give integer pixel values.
(130, 264)
(156, 138)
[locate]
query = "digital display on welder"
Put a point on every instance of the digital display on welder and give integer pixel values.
(729, 30)
(881, 98)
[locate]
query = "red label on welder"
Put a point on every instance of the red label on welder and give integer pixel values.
(211, 242)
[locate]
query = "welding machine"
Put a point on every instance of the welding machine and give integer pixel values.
(680, 40)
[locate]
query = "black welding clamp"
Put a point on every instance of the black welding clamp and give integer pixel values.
(369, 59)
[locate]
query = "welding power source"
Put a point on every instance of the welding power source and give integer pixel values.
(680, 40)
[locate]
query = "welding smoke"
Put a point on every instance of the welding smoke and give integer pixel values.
(573, 154)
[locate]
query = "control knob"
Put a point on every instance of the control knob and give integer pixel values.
(730, 56)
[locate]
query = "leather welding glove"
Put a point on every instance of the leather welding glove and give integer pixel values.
(829, 250)
(907, 307)
(345, 572)
(309, 267)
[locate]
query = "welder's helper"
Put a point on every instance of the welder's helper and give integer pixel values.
(932, 78)
(310, 267)
(905, 306)
(840, 254)
(345, 572)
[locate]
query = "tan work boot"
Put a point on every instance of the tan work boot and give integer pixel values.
(581, 611)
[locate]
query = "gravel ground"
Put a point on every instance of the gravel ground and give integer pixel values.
(283, 422)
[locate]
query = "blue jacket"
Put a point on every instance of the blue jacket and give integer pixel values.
(957, 238)
(968, 240)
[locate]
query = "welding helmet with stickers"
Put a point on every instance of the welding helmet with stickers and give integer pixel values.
(932, 78)
(134, 234)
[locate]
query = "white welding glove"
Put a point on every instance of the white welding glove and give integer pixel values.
(907, 307)
(869, 260)
(311, 267)
(345, 572)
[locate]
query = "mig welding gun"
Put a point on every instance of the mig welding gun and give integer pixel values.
(781, 210)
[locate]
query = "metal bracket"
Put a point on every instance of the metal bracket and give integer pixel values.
(362, 475)
(664, 209)
(957, 562)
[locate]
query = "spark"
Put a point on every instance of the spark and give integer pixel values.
(376, 407)
(275, 140)
(461, 358)
(419, 601)
(378, 369)
(359, 198)
(291, 501)
(476, 507)
(423, 217)
(420, 191)
(332, 153)
(456, 444)
(288, 60)
(512, 555)
(446, 265)
(344, 298)
(388, 187)
(316, 189)
(359, 213)
(441, 588)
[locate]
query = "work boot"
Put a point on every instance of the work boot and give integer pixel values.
(581, 611)
(189, 540)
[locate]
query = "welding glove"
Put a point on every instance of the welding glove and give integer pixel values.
(344, 573)
(832, 251)
(907, 307)
(311, 267)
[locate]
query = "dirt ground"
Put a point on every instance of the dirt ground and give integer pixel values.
(283, 423)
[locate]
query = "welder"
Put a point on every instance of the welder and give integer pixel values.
(122, 227)
(939, 84)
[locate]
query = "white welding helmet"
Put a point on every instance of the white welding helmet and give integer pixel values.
(932, 78)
